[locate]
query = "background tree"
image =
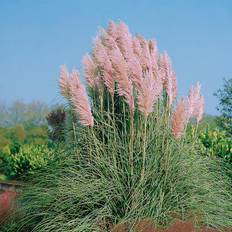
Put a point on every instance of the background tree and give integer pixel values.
(225, 106)
(56, 122)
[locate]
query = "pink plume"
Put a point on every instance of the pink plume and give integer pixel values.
(149, 93)
(89, 70)
(180, 118)
(154, 56)
(196, 102)
(103, 60)
(169, 77)
(112, 30)
(101, 56)
(138, 51)
(145, 56)
(145, 52)
(64, 81)
(135, 71)
(200, 111)
(124, 41)
(125, 87)
(107, 40)
(80, 100)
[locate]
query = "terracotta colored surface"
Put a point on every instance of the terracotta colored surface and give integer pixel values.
(120, 228)
(146, 225)
(213, 230)
(180, 226)
(6, 204)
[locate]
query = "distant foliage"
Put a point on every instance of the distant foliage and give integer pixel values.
(31, 114)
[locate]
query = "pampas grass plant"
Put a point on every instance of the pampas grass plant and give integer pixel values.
(129, 158)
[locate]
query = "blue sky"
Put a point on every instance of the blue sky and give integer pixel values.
(36, 37)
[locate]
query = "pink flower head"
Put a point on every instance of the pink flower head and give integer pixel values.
(149, 93)
(169, 77)
(64, 81)
(124, 41)
(153, 56)
(144, 50)
(200, 111)
(89, 70)
(138, 51)
(101, 56)
(125, 87)
(80, 100)
(196, 102)
(107, 40)
(146, 54)
(103, 60)
(180, 118)
(113, 30)
(135, 71)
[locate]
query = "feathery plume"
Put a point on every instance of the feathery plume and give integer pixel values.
(80, 100)
(138, 51)
(112, 30)
(169, 77)
(103, 60)
(89, 70)
(135, 72)
(124, 41)
(145, 55)
(195, 102)
(107, 40)
(154, 56)
(137, 48)
(101, 56)
(200, 111)
(150, 91)
(64, 81)
(180, 118)
(125, 87)
(193, 98)
(174, 86)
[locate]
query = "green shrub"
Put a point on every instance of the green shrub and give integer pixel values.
(3, 177)
(27, 160)
(217, 143)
